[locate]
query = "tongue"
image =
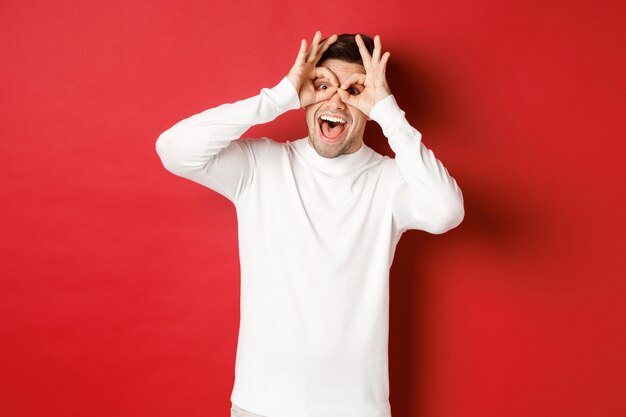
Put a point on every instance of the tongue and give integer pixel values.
(332, 131)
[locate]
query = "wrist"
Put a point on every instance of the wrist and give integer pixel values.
(386, 111)
(285, 94)
(381, 96)
(294, 81)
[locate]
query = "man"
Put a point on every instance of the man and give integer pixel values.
(319, 219)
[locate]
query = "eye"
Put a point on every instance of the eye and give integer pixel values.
(353, 91)
(322, 86)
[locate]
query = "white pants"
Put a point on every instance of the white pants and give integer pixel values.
(240, 412)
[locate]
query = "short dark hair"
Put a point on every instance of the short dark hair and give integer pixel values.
(346, 49)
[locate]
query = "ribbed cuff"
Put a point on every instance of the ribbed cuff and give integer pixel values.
(386, 111)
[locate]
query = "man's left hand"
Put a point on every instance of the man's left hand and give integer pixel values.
(374, 80)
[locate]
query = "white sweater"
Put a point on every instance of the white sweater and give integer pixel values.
(316, 240)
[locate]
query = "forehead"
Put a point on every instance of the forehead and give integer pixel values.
(342, 69)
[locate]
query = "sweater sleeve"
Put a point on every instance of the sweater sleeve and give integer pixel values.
(427, 197)
(203, 148)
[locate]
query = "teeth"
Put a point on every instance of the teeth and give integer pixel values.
(333, 119)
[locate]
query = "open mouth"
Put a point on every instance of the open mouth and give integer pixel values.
(332, 128)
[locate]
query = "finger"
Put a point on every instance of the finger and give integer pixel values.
(302, 52)
(365, 55)
(383, 61)
(353, 79)
(377, 50)
(324, 46)
(323, 72)
(347, 97)
(314, 46)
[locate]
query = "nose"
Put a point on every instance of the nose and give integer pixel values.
(335, 100)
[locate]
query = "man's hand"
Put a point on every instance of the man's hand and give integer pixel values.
(304, 72)
(374, 80)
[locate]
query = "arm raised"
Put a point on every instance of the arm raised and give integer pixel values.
(203, 147)
(426, 197)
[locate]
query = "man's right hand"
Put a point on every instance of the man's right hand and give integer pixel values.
(304, 72)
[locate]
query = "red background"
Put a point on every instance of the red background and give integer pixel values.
(119, 281)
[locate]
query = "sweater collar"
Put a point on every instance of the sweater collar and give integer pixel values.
(338, 165)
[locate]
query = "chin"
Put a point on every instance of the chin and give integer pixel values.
(329, 147)
(331, 150)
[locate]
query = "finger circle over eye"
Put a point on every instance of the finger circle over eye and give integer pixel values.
(353, 79)
(323, 72)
